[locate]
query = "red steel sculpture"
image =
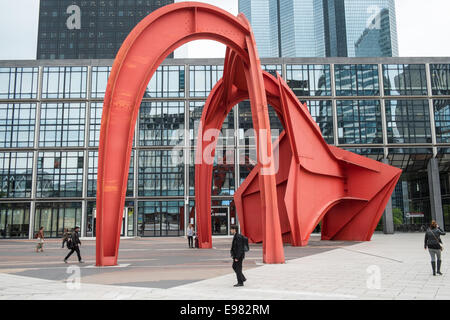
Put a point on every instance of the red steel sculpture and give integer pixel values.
(314, 181)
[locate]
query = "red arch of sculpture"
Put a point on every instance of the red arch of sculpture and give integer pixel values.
(143, 50)
(315, 181)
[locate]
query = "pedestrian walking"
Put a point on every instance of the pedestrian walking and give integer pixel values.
(73, 244)
(190, 235)
(66, 236)
(434, 244)
(40, 238)
(238, 254)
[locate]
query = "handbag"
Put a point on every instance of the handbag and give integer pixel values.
(440, 244)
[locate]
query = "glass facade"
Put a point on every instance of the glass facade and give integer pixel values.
(389, 109)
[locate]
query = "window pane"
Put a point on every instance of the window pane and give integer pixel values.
(16, 174)
(167, 82)
(203, 79)
(404, 79)
(161, 173)
(359, 121)
(161, 123)
(408, 121)
(440, 79)
(62, 124)
(64, 82)
(59, 175)
(18, 83)
(356, 80)
(309, 80)
(442, 120)
(17, 122)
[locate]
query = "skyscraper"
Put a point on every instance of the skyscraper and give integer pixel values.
(356, 19)
(323, 28)
(88, 29)
(264, 18)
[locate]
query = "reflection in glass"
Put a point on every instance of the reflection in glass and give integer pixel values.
(99, 81)
(14, 220)
(444, 177)
(62, 125)
(309, 80)
(246, 131)
(408, 121)
(322, 113)
(64, 82)
(160, 218)
(442, 120)
(96, 109)
(356, 79)
(161, 123)
(167, 82)
(359, 121)
(16, 171)
(18, 83)
(202, 79)
(59, 174)
(17, 121)
(411, 198)
(404, 79)
(56, 216)
(440, 79)
(161, 173)
(372, 153)
(226, 135)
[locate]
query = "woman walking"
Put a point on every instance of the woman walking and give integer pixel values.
(40, 237)
(190, 235)
(433, 242)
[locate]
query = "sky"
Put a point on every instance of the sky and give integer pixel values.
(423, 29)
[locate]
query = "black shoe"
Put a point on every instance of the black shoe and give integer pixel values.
(238, 285)
(245, 279)
(439, 267)
(433, 266)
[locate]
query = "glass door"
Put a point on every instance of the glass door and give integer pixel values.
(220, 221)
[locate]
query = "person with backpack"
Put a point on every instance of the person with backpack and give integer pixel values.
(40, 236)
(73, 243)
(433, 242)
(238, 248)
(66, 236)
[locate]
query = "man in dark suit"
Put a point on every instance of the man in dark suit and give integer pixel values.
(238, 255)
(74, 246)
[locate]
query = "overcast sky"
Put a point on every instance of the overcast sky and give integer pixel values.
(423, 29)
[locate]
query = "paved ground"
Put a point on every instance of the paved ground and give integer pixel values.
(388, 267)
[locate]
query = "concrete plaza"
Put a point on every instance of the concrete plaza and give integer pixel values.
(388, 267)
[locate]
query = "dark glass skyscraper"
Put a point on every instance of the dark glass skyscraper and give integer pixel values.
(323, 28)
(88, 29)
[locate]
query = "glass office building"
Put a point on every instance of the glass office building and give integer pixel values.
(89, 29)
(323, 28)
(395, 110)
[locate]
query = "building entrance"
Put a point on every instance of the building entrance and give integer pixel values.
(220, 221)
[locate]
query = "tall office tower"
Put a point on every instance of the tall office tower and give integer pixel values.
(364, 28)
(301, 28)
(323, 28)
(264, 18)
(88, 29)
